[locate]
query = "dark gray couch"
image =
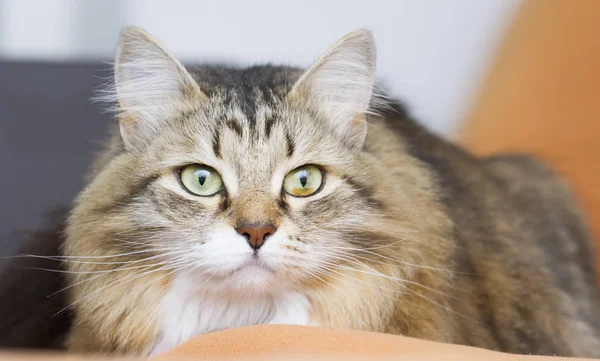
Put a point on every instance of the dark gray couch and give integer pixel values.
(49, 131)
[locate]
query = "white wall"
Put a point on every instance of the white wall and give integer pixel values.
(432, 53)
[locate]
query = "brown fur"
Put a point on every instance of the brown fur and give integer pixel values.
(420, 238)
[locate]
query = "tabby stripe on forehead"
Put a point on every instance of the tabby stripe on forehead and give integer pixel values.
(364, 191)
(290, 144)
(235, 126)
(269, 122)
(217, 143)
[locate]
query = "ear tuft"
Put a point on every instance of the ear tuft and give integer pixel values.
(150, 86)
(340, 84)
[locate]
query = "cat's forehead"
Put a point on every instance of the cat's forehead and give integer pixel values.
(246, 124)
(254, 136)
(259, 138)
(244, 83)
(250, 136)
(249, 102)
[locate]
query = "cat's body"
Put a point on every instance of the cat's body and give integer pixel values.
(515, 269)
(406, 233)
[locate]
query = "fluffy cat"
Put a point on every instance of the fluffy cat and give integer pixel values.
(230, 197)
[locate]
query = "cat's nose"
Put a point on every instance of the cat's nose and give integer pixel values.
(256, 235)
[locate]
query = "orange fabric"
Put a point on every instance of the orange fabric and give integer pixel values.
(543, 96)
(280, 342)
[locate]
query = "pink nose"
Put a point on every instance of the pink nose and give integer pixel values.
(256, 235)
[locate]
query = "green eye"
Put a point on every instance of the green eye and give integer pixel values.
(303, 181)
(201, 180)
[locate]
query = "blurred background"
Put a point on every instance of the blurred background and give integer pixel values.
(494, 75)
(431, 53)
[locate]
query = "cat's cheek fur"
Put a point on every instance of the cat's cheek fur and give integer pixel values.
(186, 312)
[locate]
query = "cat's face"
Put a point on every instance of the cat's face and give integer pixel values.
(222, 180)
(240, 187)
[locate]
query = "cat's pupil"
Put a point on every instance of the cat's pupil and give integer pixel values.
(202, 177)
(303, 178)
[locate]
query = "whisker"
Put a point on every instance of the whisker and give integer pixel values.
(417, 294)
(130, 278)
(92, 257)
(176, 259)
(160, 255)
(359, 281)
(395, 260)
(395, 279)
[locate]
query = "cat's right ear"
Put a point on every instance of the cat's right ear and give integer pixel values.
(340, 85)
(151, 87)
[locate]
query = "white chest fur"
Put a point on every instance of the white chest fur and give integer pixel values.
(186, 312)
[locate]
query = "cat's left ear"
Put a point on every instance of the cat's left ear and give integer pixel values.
(340, 85)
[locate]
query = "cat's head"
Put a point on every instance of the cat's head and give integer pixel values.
(248, 179)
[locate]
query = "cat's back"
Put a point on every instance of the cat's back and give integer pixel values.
(523, 254)
(552, 216)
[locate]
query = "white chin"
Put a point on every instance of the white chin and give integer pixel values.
(254, 278)
(250, 275)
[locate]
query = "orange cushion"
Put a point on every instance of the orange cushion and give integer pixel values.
(542, 96)
(280, 342)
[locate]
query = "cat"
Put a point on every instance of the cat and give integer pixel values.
(229, 196)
